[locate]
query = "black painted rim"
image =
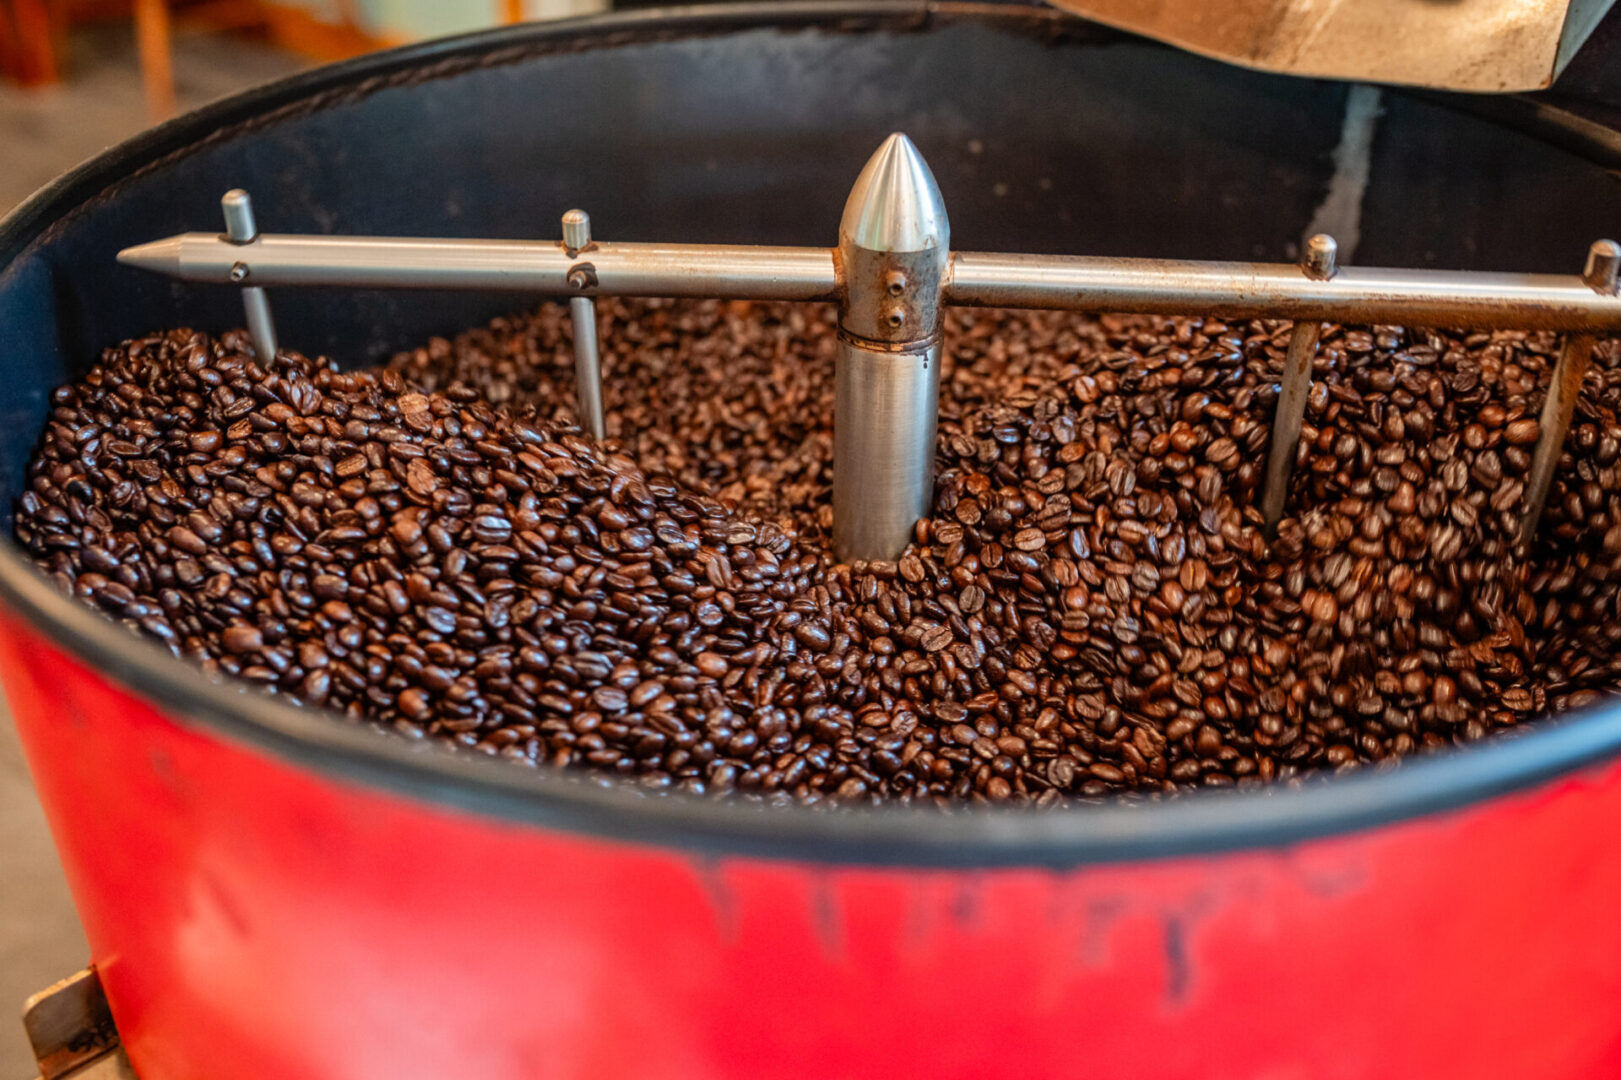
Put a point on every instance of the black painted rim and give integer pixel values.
(1196, 823)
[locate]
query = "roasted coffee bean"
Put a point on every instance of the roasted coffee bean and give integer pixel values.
(1090, 608)
(1522, 432)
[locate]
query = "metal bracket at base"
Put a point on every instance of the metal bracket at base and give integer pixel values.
(72, 1032)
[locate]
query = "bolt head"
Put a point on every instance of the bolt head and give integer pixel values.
(576, 229)
(1319, 259)
(238, 208)
(1603, 266)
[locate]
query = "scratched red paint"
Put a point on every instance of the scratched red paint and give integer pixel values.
(253, 920)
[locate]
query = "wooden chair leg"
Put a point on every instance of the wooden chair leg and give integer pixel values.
(153, 40)
(35, 51)
(349, 13)
(8, 45)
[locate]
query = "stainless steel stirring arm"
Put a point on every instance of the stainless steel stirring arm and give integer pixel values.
(891, 275)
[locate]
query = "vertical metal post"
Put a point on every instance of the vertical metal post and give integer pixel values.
(582, 312)
(894, 246)
(240, 228)
(1317, 264)
(1599, 274)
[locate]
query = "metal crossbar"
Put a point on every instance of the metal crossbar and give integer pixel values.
(891, 274)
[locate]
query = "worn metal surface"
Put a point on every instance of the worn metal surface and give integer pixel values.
(1318, 264)
(764, 273)
(1600, 274)
(582, 312)
(1477, 45)
(1475, 300)
(113, 1065)
(886, 405)
(1291, 412)
(1421, 297)
(893, 244)
(1575, 359)
(69, 1024)
(587, 365)
(240, 231)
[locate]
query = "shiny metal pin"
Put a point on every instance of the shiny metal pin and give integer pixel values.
(1601, 275)
(241, 230)
(1317, 264)
(582, 312)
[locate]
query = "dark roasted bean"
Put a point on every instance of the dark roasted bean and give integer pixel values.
(1089, 608)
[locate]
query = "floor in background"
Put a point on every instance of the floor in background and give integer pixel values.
(100, 102)
(44, 133)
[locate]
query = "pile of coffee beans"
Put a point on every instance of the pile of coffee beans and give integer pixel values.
(1092, 607)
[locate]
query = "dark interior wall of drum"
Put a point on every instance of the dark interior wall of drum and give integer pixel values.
(1453, 191)
(1086, 143)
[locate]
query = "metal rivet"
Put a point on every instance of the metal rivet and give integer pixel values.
(1318, 260)
(895, 282)
(1603, 267)
(576, 230)
(240, 227)
(896, 318)
(239, 271)
(578, 279)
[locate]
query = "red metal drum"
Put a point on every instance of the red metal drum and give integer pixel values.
(273, 893)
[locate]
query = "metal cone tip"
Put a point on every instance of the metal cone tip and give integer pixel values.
(895, 204)
(162, 256)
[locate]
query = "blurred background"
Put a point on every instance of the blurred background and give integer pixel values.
(77, 76)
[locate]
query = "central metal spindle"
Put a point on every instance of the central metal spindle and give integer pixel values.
(894, 244)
